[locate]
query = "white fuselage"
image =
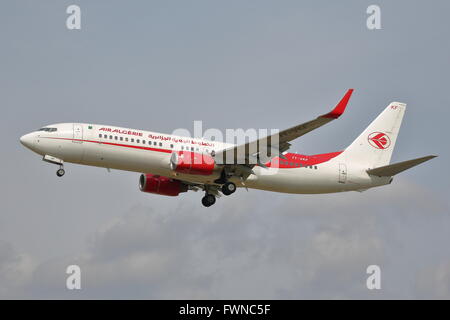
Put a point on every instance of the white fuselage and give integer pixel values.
(150, 152)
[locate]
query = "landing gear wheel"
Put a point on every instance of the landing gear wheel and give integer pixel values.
(60, 172)
(208, 200)
(228, 188)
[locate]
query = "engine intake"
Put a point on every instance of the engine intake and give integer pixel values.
(192, 163)
(161, 185)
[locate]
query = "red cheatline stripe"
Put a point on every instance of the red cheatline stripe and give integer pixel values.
(316, 159)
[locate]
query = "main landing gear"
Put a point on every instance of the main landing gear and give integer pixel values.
(208, 200)
(228, 188)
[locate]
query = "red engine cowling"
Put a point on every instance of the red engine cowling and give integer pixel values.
(192, 163)
(161, 185)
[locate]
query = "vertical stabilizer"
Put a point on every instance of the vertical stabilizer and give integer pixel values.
(375, 145)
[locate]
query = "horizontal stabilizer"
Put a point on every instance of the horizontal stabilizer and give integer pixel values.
(393, 169)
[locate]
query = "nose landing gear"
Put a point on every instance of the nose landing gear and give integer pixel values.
(60, 172)
(57, 161)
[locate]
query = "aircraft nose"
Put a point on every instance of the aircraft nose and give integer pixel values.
(26, 140)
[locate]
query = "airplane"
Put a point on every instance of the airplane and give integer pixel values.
(170, 164)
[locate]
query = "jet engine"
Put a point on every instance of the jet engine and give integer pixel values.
(192, 163)
(161, 185)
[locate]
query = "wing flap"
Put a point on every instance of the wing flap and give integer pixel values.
(393, 169)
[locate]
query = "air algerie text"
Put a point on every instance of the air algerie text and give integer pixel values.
(122, 131)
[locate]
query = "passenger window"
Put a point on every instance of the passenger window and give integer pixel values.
(154, 143)
(315, 167)
(171, 146)
(110, 137)
(115, 137)
(160, 144)
(143, 141)
(132, 140)
(100, 135)
(192, 148)
(126, 139)
(121, 138)
(137, 141)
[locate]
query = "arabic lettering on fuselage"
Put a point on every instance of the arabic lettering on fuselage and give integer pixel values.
(158, 137)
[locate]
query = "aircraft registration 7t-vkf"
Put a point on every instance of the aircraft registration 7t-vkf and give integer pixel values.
(173, 164)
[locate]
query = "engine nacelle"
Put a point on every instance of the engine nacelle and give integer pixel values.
(161, 185)
(192, 163)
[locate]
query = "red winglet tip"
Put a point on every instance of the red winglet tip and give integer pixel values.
(340, 107)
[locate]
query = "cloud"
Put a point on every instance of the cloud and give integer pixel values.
(433, 282)
(15, 271)
(293, 248)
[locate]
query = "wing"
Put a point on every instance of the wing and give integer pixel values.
(271, 146)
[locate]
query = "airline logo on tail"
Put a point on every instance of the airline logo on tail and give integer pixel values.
(379, 140)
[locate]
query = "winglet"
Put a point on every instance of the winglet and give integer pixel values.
(340, 107)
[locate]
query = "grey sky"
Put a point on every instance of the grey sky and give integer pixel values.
(160, 65)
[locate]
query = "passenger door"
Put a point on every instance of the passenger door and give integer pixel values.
(77, 133)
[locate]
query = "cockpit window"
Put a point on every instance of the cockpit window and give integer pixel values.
(48, 129)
